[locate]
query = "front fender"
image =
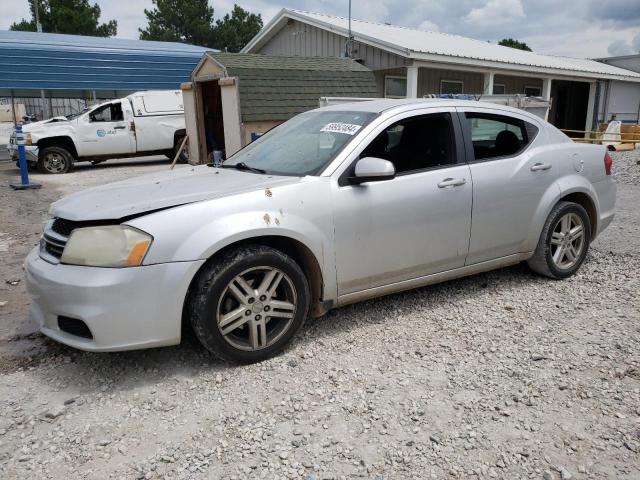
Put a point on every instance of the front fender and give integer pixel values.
(198, 231)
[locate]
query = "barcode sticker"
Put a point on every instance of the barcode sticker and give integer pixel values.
(337, 127)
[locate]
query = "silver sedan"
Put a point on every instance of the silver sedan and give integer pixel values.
(335, 206)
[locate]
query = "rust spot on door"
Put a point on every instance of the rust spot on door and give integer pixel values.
(267, 218)
(267, 192)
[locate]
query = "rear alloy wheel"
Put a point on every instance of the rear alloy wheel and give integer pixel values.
(54, 160)
(246, 305)
(564, 242)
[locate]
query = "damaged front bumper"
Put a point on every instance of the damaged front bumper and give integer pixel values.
(31, 152)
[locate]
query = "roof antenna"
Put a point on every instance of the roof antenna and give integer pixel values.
(348, 45)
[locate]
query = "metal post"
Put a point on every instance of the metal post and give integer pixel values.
(38, 24)
(22, 160)
(13, 109)
(43, 98)
(348, 46)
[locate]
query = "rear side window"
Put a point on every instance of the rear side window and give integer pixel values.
(495, 136)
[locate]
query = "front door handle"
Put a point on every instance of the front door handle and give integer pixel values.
(452, 182)
(119, 127)
(536, 167)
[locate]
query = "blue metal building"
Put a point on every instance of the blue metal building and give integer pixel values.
(50, 66)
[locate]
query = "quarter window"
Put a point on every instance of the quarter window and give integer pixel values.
(416, 143)
(496, 136)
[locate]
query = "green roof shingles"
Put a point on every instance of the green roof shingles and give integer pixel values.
(277, 88)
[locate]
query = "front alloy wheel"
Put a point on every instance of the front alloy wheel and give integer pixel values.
(256, 308)
(247, 303)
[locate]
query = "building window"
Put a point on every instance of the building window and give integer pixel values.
(451, 86)
(499, 89)
(532, 91)
(395, 87)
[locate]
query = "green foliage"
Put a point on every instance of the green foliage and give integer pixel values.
(77, 17)
(234, 31)
(510, 42)
(191, 21)
(188, 21)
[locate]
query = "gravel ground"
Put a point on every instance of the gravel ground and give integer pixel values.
(499, 375)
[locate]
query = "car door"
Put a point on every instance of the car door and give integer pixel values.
(106, 131)
(415, 224)
(511, 173)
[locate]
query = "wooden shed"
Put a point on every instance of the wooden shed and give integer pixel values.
(233, 97)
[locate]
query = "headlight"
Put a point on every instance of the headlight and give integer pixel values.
(108, 246)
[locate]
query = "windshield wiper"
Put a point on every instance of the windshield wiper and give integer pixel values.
(243, 166)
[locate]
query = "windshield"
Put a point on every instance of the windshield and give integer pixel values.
(77, 114)
(303, 145)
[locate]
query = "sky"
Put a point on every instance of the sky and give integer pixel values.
(575, 28)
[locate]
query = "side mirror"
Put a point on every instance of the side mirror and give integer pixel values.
(371, 169)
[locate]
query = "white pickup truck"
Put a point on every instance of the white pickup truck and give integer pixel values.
(143, 123)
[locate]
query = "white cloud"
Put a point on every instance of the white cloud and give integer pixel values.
(578, 28)
(496, 12)
(429, 25)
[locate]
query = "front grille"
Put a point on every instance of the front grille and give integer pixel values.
(74, 327)
(64, 227)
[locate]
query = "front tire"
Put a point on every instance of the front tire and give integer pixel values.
(54, 160)
(246, 305)
(564, 242)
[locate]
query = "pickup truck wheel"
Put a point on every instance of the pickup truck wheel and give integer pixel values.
(564, 242)
(246, 306)
(184, 155)
(54, 160)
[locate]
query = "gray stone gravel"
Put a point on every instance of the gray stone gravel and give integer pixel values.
(500, 375)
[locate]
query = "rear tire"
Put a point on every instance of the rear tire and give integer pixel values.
(246, 305)
(54, 160)
(564, 242)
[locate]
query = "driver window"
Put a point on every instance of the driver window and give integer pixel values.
(416, 143)
(108, 113)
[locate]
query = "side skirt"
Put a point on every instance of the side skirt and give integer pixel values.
(431, 279)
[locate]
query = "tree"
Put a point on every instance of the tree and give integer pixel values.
(189, 21)
(510, 42)
(234, 31)
(68, 16)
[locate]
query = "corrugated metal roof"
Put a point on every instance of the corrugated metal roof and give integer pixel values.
(425, 45)
(277, 88)
(30, 60)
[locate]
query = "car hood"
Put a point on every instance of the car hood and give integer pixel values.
(159, 191)
(41, 124)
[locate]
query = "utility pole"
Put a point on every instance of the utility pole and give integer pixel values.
(38, 24)
(349, 45)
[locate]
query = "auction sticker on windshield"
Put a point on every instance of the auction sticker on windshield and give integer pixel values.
(338, 127)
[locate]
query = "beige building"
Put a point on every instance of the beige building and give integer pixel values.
(415, 63)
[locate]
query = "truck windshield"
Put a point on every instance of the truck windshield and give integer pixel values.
(303, 145)
(77, 114)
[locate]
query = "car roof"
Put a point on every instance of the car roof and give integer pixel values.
(385, 104)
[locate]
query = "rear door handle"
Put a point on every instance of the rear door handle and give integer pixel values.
(119, 127)
(536, 167)
(452, 182)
